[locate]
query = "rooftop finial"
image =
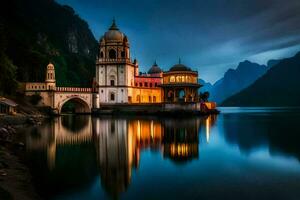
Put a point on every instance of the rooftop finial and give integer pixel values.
(179, 61)
(113, 25)
(155, 64)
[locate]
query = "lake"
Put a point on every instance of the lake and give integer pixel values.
(242, 153)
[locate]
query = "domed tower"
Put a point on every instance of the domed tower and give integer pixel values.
(50, 77)
(155, 70)
(114, 69)
(114, 44)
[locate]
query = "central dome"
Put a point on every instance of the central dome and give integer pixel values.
(114, 34)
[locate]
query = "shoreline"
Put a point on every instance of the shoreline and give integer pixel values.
(16, 181)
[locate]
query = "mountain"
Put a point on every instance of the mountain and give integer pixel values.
(278, 87)
(38, 31)
(206, 86)
(235, 80)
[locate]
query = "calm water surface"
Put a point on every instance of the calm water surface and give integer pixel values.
(243, 153)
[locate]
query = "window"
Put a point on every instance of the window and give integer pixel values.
(112, 54)
(112, 96)
(138, 98)
(136, 84)
(101, 54)
(155, 84)
(141, 84)
(122, 90)
(172, 79)
(154, 99)
(150, 99)
(150, 84)
(101, 91)
(112, 82)
(146, 84)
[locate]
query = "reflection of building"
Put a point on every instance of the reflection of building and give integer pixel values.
(119, 143)
(50, 136)
(116, 156)
(180, 139)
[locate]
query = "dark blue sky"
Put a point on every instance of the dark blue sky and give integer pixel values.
(208, 35)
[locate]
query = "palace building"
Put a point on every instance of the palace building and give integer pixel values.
(119, 80)
(119, 86)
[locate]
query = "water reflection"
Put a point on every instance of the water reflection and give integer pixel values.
(276, 130)
(118, 142)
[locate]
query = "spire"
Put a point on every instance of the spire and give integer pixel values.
(155, 64)
(179, 61)
(113, 25)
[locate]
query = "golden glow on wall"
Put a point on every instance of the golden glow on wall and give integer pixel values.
(180, 77)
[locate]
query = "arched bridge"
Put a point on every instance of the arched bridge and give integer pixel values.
(81, 97)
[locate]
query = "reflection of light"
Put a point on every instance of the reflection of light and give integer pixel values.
(180, 149)
(138, 130)
(151, 130)
(207, 129)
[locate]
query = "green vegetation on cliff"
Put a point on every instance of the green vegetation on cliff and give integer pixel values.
(38, 31)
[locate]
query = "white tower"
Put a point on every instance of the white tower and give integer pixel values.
(114, 69)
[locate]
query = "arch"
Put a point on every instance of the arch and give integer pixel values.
(80, 105)
(101, 54)
(112, 54)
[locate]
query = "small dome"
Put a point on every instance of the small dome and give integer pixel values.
(180, 67)
(114, 34)
(50, 66)
(155, 69)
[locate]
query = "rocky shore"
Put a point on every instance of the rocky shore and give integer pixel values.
(15, 178)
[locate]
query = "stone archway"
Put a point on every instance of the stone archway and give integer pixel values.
(81, 106)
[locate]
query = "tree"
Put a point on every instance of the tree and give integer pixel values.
(204, 96)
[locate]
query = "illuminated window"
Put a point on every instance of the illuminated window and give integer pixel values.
(150, 99)
(172, 79)
(154, 99)
(138, 98)
(178, 78)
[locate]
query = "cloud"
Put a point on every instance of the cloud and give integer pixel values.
(207, 35)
